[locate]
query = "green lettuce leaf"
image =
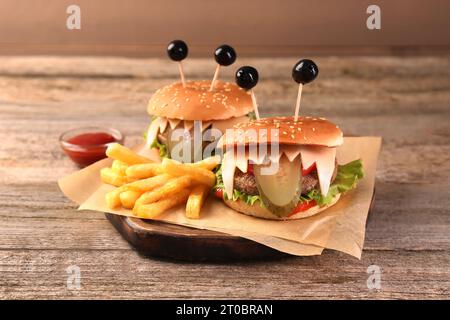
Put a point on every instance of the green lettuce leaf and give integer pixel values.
(163, 153)
(237, 195)
(251, 115)
(347, 178)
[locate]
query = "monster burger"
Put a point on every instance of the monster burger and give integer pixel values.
(286, 169)
(195, 106)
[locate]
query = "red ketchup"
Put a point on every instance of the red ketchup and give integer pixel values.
(86, 146)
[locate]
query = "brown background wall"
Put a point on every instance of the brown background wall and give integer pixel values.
(271, 28)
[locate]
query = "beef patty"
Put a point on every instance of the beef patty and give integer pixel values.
(246, 182)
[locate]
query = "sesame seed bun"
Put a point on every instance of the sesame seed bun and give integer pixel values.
(256, 210)
(306, 131)
(196, 102)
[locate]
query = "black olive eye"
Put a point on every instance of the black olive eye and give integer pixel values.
(225, 55)
(305, 71)
(177, 50)
(247, 77)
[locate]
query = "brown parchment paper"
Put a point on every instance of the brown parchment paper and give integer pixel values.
(341, 227)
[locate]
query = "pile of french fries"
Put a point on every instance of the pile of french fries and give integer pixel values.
(150, 188)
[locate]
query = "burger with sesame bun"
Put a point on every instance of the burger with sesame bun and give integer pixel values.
(174, 106)
(195, 105)
(281, 168)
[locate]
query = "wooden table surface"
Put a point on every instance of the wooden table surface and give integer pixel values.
(404, 100)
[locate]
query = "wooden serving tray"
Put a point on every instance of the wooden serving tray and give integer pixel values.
(165, 240)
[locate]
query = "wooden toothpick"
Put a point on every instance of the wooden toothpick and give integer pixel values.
(297, 105)
(183, 80)
(255, 104)
(216, 75)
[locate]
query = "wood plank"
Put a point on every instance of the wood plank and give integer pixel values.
(121, 274)
(409, 68)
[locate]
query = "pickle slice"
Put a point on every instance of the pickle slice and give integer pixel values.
(280, 192)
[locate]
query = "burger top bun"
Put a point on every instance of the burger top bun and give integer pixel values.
(306, 131)
(196, 102)
(256, 210)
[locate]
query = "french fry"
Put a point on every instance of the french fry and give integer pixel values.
(110, 177)
(119, 167)
(143, 170)
(118, 152)
(113, 199)
(146, 184)
(195, 201)
(198, 175)
(129, 180)
(149, 188)
(171, 188)
(155, 209)
(128, 198)
(208, 163)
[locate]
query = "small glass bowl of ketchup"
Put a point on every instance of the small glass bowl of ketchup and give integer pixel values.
(88, 145)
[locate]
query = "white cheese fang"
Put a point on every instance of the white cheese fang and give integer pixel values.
(324, 158)
(228, 168)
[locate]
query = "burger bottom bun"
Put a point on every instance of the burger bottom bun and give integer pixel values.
(257, 211)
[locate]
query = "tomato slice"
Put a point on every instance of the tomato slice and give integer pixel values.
(218, 193)
(308, 170)
(303, 206)
(250, 168)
